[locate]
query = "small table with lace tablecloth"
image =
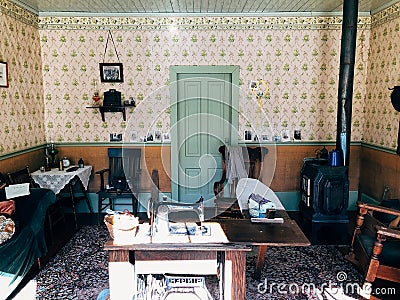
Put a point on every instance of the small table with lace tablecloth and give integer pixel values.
(57, 180)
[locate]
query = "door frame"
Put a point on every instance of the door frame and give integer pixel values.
(174, 72)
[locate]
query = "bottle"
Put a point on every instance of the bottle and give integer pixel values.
(80, 163)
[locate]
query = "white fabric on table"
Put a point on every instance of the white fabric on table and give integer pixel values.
(247, 186)
(235, 168)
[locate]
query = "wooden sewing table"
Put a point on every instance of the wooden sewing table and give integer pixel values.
(194, 257)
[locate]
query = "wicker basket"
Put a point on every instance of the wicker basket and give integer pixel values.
(121, 226)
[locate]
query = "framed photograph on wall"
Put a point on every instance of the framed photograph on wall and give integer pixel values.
(3, 74)
(111, 72)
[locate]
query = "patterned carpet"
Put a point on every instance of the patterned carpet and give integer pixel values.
(79, 270)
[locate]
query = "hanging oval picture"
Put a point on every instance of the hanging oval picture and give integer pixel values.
(111, 72)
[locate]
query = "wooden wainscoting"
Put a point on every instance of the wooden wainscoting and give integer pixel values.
(289, 160)
(377, 170)
(34, 159)
(285, 161)
(153, 157)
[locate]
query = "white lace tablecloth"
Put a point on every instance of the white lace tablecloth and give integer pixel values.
(56, 180)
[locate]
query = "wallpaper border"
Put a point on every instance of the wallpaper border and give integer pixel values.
(196, 23)
(386, 15)
(209, 22)
(17, 12)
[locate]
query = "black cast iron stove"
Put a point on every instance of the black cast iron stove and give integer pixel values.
(324, 192)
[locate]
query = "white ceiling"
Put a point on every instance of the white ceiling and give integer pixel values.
(197, 7)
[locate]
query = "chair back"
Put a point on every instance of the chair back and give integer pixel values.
(124, 166)
(21, 176)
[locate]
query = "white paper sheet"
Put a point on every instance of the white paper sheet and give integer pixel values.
(17, 190)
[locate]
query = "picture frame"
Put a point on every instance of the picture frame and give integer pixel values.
(133, 137)
(285, 137)
(111, 72)
(166, 137)
(157, 136)
(3, 74)
(264, 137)
(253, 85)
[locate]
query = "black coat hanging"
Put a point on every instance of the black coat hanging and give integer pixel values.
(395, 98)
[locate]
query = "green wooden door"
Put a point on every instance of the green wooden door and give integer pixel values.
(204, 121)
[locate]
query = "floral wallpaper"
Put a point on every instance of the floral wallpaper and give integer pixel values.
(381, 119)
(298, 57)
(21, 104)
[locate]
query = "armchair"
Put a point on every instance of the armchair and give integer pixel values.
(121, 179)
(375, 244)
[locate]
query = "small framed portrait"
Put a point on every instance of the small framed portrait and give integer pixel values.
(133, 136)
(253, 85)
(149, 137)
(247, 135)
(297, 135)
(3, 74)
(111, 72)
(264, 137)
(157, 136)
(285, 135)
(166, 137)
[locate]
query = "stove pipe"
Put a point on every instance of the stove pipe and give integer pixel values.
(346, 76)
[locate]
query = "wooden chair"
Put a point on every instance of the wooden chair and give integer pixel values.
(21, 176)
(375, 245)
(121, 179)
(227, 207)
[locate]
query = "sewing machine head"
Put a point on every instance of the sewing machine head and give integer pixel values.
(166, 212)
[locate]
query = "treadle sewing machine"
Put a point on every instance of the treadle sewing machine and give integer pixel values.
(165, 217)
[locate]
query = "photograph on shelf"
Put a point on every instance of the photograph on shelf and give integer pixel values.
(157, 136)
(133, 137)
(166, 137)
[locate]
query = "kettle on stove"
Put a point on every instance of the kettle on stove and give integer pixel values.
(322, 153)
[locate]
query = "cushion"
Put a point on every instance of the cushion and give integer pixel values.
(388, 203)
(390, 251)
(7, 207)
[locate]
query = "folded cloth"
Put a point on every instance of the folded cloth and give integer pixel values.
(235, 168)
(7, 207)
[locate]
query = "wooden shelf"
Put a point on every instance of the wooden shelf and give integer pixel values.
(104, 109)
